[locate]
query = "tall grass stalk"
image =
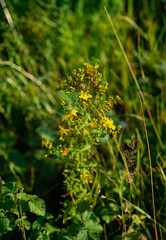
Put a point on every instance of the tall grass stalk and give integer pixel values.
(135, 80)
(141, 96)
(147, 139)
(7, 15)
(151, 173)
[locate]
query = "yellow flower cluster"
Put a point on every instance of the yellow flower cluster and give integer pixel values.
(108, 123)
(86, 177)
(84, 78)
(47, 144)
(72, 113)
(85, 96)
(65, 152)
(63, 131)
(85, 132)
(93, 123)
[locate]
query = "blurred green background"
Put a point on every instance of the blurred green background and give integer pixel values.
(42, 42)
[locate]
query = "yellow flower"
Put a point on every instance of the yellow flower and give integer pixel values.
(96, 66)
(93, 124)
(63, 103)
(63, 83)
(73, 112)
(76, 130)
(84, 96)
(43, 143)
(108, 123)
(86, 176)
(85, 132)
(47, 144)
(65, 117)
(90, 180)
(65, 152)
(63, 131)
(113, 136)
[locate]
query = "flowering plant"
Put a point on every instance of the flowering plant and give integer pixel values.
(83, 124)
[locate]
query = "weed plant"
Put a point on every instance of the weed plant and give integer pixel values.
(84, 122)
(42, 42)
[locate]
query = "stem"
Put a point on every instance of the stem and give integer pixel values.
(71, 195)
(105, 232)
(23, 228)
(18, 214)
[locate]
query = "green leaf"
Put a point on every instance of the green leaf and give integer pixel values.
(37, 206)
(92, 226)
(27, 224)
(50, 228)
(34, 234)
(9, 187)
(40, 237)
(48, 216)
(93, 235)
(107, 213)
(38, 224)
(83, 206)
(45, 132)
(43, 236)
(7, 140)
(136, 219)
(25, 197)
(4, 223)
(18, 221)
(14, 210)
(7, 204)
(90, 216)
(82, 235)
(12, 223)
(63, 235)
(135, 235)
(74, 228)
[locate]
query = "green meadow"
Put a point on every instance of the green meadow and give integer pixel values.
(83, 120)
